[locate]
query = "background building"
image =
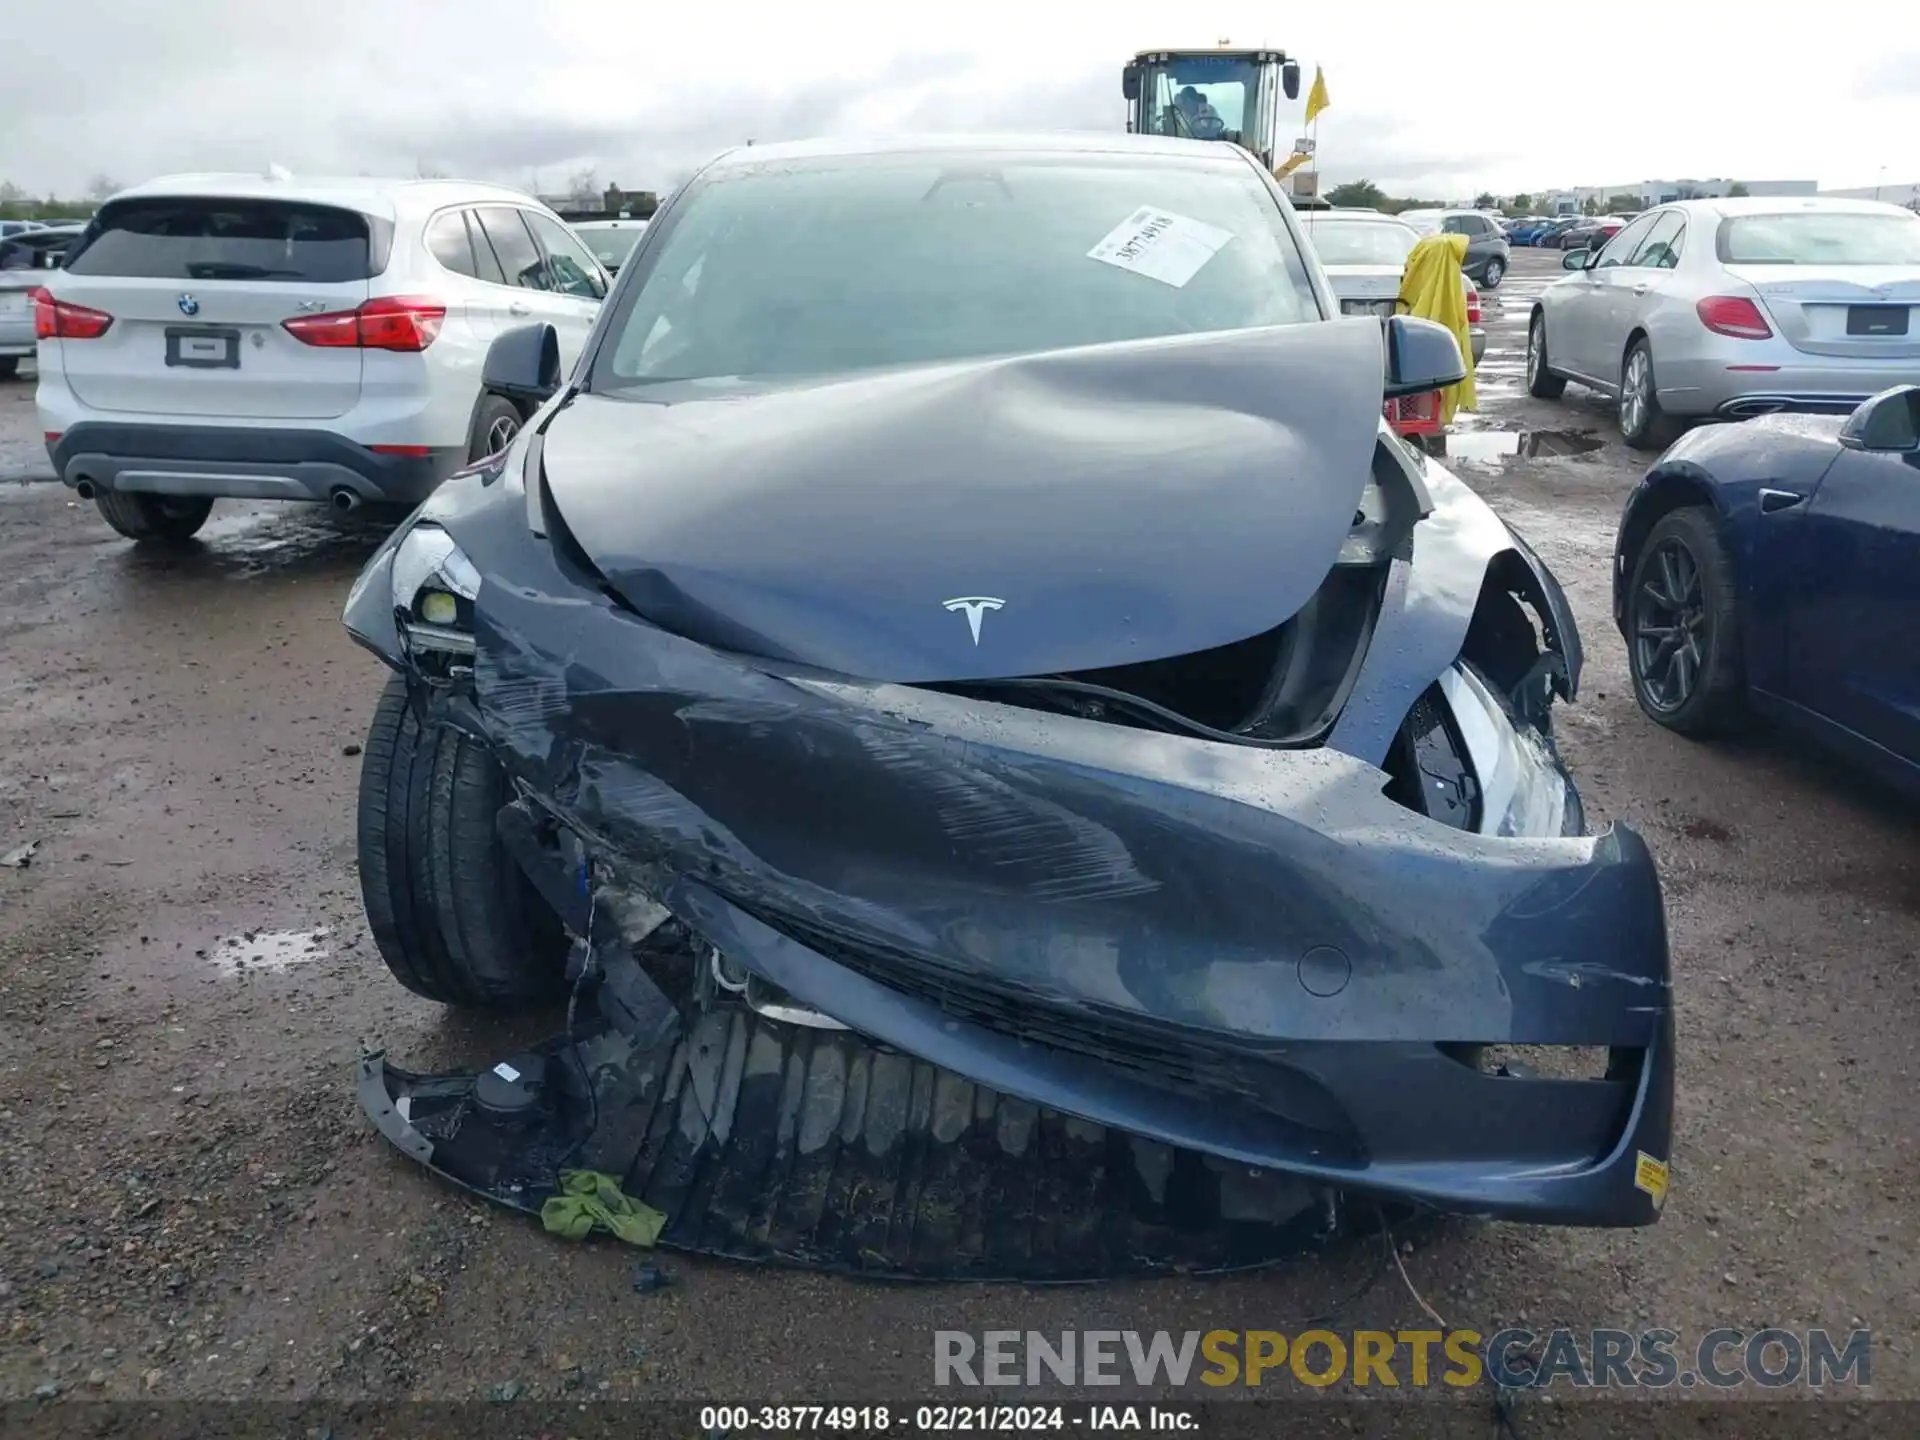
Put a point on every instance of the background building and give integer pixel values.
(1659, 192)
(1907, 195)
(614, 203)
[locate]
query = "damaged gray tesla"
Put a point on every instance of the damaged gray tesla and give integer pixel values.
(1011, 766)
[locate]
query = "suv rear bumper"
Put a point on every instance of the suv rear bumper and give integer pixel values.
(244, 463)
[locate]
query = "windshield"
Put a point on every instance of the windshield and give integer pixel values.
(1816, 238)
(819, 267)
(1359, 242)
(1427, 222)
(611, 247)
(1207, 97)
(194, 238)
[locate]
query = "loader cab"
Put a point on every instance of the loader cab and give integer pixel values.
(1218, 94)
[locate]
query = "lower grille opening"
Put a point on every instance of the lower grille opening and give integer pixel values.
(1166, 1057)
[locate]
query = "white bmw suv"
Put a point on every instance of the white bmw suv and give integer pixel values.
(262, 337)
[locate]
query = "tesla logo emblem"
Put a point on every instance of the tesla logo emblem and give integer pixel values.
(976, 607)
(189, 305)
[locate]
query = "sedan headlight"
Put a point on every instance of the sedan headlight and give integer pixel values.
(1523, 790)
(434, 587)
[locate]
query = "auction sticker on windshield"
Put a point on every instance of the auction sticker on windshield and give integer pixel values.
(1161, 245)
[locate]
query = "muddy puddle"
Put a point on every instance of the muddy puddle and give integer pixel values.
(249, 540)
(268, 952)
(1496, 447)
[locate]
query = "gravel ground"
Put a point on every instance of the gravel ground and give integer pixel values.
(196, 1208)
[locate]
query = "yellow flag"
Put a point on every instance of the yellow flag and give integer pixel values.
(1317, 96)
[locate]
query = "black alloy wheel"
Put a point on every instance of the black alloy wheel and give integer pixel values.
(1683, 639)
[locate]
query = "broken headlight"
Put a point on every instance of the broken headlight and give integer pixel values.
(434, 587)
(1523, 789)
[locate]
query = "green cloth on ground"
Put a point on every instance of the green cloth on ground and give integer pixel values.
(588, 1198)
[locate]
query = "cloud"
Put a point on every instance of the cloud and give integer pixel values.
(512, 90)
(1895, 76)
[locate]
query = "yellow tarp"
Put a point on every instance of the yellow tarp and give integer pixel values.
(1430, 288)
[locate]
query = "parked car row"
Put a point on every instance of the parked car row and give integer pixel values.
(1565, 232)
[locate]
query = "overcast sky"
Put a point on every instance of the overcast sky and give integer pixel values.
(1504, 97)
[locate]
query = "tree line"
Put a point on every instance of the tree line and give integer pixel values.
(17, 203)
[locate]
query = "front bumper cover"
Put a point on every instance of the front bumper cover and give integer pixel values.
(1251, 954)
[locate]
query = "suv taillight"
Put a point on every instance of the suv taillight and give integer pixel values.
(63, 320)
(1733, 315)
(1473, 305)
(392, 322)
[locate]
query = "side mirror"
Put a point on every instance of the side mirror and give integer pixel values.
(1290, 79)
(1888, 422)
(1130, 82)
(1574, 260)
(523, 364)
(1422, 356)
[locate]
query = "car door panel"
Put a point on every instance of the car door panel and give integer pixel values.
(1571, 323)
(1610, 307)
(1853, 651)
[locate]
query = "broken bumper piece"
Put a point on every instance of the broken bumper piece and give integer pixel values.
(768, 1142)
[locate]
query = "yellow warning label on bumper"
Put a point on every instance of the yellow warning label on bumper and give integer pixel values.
(1650, 1175)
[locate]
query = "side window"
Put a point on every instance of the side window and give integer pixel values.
(520, 259)
(486, 265)
(447, 239)
(1661, 249)
(575, 271)
(1457, 225)
(1625, 243)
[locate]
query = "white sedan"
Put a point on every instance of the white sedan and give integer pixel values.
(1364, 253)
(1735, 307)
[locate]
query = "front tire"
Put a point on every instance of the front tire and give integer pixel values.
(1542, 383)
(1643, 424)
(495, 424)
(9, 366)
(1683, 627)
(166, 519)
(453, 915)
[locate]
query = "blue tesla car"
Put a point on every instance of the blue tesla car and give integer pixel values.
(1773, 567)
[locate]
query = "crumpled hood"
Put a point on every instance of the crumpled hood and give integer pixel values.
(1062, 511)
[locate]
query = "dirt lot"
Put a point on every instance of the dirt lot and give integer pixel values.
(196, 1207)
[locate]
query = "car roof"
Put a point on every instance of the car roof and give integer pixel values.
(1316, 217)
(1733, 205)
(1037, 143)
(631, 223)
(370, 195)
